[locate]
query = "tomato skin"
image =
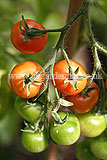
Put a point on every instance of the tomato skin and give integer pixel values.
(35, 142)
(81, 103)
(17, 77)
(61, 73)
(29, 111)
(83, 151)
(33, 45)
(99, 146)
(91, 125)
(66, 133)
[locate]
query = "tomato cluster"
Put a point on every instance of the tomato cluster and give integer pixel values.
(28, 80)
(94, 149)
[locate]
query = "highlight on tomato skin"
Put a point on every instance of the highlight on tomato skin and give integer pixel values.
(83, 104)
(35, 142)
(91, 125)
(61, 73)
(68, 132)
(33, 45)
(17, 76)
(29, 111)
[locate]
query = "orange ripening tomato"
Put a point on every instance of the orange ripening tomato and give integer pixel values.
(33, 45)
(81, 103)
(17, 77)
(61, 72)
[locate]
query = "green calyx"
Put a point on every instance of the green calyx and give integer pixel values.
(30, 32)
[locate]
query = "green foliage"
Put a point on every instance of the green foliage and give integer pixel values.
(51, 14)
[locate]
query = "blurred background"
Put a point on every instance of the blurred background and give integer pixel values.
(51, 14)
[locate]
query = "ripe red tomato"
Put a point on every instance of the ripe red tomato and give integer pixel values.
(17, 77)
(81, 103)
(33, 45)
(61, 73)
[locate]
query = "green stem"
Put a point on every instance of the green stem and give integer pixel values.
(90, 33)
(94, 71)
(103, 73)
(90, 81)
(101, 48)
(51, 70)
(62, 29)
(50, 62)
(69, 64)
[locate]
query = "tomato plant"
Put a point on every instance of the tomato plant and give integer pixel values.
(29, 111)
(22, 72)
(33, 44)
(82, 103)
(91, 125)
(83, 151)
(61, 73)
(66, 133)
(35, 142)
(99, 146)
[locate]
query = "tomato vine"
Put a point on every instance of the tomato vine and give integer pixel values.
(75, 75)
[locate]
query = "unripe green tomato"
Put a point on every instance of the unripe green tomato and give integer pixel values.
(91, 125)
(35, 142)
(29, 111)
(99, 146)
(66, 133)
(83, 151)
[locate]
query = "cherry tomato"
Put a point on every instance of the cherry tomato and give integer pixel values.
(99, 146)
(83, 151)
(17, 76)
(33, 45)
(29, 111)
(35, 142)
(61, 73)
(81, 103)
(66, 133)
(91, 125)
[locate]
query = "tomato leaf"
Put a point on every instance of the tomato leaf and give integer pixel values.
(65, 103)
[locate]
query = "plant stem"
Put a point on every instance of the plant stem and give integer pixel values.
(43, 69)
(51, 70)
(65, 28)
(101, 48)
(103, 73)
(69, 64)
